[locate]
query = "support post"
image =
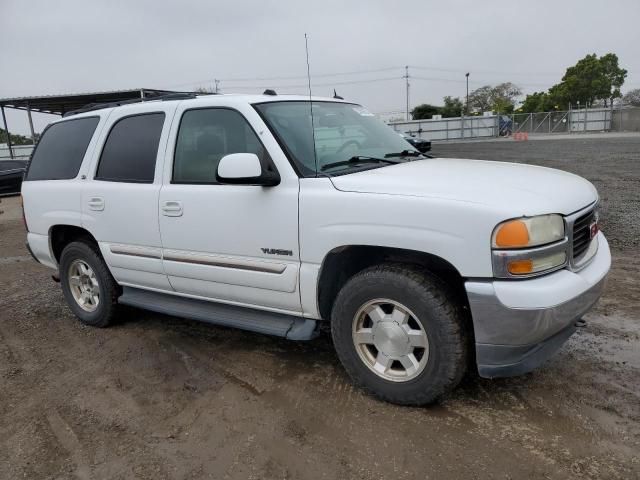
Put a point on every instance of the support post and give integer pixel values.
(406, 77)
(33, 133)
(6, 129)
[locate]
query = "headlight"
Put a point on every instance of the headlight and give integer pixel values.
(528, 232)
(529, 246)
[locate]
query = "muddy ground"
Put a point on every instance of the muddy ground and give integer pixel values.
(160, 397)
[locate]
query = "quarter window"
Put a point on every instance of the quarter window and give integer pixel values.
(129, 154)
(208, 134)
(61, 149)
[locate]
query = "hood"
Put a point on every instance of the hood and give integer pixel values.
(516, 189)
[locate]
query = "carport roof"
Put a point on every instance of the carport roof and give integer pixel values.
(61, 104)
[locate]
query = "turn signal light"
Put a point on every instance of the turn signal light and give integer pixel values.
(535, 265)
(520, 267)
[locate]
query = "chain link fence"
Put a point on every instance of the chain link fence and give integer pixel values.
(571, 121)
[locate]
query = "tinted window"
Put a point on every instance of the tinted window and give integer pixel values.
(61, 149)
(129, 154)
(205, 136)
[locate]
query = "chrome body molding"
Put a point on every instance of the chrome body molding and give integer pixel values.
(198, 259)
(136, 251)
(224, 262)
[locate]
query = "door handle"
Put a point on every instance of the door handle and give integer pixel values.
(172, 208)
(96, 203)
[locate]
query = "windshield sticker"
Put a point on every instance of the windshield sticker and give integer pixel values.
(362, 111)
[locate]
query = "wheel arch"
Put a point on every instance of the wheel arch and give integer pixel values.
(61, 235)
(341, 263)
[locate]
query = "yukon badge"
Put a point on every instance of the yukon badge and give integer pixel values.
(276, 251)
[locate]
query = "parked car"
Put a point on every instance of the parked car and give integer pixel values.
(231, 210)
(420, 144)
(11, 173)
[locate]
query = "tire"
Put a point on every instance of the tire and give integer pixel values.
(426, 302)
(95, 313)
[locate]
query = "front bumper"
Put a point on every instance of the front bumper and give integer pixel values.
(520, 324)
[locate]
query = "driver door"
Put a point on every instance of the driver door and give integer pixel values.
(231, 243)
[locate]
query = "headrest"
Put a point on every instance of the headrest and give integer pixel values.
(209, 144)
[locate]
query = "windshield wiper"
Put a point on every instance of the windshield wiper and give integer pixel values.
(404, 153)
(356, 160)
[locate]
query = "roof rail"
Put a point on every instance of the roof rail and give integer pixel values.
(99, 106)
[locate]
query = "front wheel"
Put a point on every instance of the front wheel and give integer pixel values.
(399, 334)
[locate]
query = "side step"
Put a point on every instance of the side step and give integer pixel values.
(270, 323)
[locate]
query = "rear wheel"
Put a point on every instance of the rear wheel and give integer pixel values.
(399, 334)
(88, 287)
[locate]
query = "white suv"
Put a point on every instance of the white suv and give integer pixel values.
(274, 213)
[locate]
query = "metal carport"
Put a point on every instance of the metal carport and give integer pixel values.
(61, 104)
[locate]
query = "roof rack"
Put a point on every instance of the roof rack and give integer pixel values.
(99, 106)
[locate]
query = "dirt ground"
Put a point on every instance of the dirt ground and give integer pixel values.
(160, 397)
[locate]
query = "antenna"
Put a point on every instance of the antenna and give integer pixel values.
(313, 130)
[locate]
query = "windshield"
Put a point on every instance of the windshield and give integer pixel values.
(347, 137)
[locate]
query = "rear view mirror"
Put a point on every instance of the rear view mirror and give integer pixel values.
(244, 169)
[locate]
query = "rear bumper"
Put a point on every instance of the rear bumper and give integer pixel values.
(520, 324)
(39, 248)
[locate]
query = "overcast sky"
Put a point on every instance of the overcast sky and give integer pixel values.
(59, 47)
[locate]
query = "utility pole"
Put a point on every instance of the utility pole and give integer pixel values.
(466, 107)
(406, 77)
(217, 82)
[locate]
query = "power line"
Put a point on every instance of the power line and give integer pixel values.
(323, 75)
(299, 77)
(458, 80)
(304, 85)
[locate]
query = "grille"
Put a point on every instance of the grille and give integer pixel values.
(582, 233)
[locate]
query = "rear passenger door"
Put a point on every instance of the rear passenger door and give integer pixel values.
(120, 198)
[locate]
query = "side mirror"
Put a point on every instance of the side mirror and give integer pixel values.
(245, 169)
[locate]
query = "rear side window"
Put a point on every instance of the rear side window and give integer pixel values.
(61, 149)
(129, 154)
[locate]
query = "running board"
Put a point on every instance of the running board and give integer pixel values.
(270, 323)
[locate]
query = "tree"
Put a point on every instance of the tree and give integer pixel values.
(533, 102)
(614, 77)
(480, 98)
(540, 102)
(452, 107)
(591, 79)
(500, 98)
(15, 139)
(425, 111)
(204, 90)
(632, 97)
(504, 97)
